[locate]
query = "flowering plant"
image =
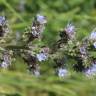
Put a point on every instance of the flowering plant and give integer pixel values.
(63, 51)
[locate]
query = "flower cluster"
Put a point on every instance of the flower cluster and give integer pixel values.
(92, 70)
(36, 29)
(66, 34)
(70, 30)
(66, 49)
(31, 61)
(43, 55)
(38, 25)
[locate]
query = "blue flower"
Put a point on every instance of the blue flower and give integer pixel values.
(4, 65)
(41, 56)
(2, 20)
(70, 30)
(41, 19)
(83, 50)
(62, 72)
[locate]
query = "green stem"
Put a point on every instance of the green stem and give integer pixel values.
(16, 47)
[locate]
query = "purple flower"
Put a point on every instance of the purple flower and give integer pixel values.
(4, 28)
(62, 72)
(41, 19)
(70, 30)
(6, 60)
(2, 20)
(83, 50)
(41, 56)
(91, 71)
(4, 65)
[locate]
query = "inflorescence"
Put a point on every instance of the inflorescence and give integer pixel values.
(68, 44)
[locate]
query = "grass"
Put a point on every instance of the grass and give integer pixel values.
(23, 84)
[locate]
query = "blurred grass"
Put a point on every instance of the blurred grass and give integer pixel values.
(22, 84)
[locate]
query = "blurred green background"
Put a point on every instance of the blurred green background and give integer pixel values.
(20, 14)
